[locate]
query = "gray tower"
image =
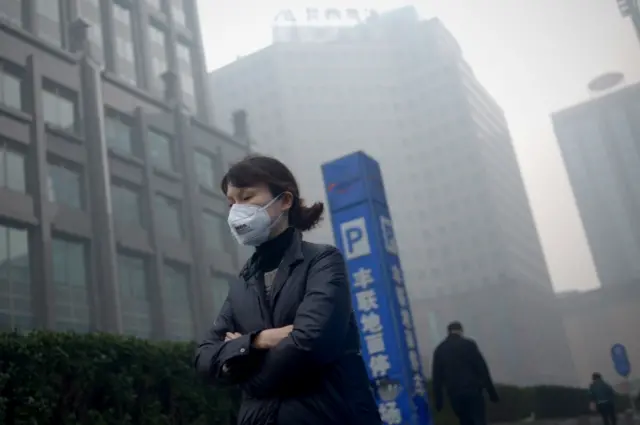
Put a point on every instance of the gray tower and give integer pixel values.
(600, 144)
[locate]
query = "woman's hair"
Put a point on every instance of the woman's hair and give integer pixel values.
(254, 170)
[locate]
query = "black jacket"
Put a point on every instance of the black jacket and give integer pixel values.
(459, 367)
(601, 392)
(316, 376)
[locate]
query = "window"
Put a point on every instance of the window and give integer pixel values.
(186, 75)
(169, 217)
(124, 46)
(127, 206)
(204, 169)
(12, 11)
(89, 10)
(48, 21)
(160, 150)
(65, 185)
(175, 295)
(12, 169)
(155, 5)
(118, 132)
(134, 297)
(216, 231)
(59, 107)
(10, 85)
(177, 9)
(70, 279)
(217, 290)
(158, 53)
(15, 280)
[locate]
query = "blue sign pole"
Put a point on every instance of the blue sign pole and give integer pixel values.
(364, 233)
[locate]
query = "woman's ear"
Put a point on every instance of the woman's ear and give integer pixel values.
(287, 201)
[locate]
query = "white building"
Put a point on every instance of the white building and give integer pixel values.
(401, 91)
(600, 144)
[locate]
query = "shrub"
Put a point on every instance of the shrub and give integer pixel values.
(101, 379)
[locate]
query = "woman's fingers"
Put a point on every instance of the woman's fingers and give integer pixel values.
(232, 335)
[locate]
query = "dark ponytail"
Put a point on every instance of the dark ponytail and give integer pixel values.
(305, 218)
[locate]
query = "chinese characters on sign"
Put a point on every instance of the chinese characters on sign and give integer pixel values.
(367, 305)
(372, 332)
(323, 16)
(407, 324)
(315, 24)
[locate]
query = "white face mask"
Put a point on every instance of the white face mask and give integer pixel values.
(251, 224)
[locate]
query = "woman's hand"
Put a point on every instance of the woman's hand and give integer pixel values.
(232, 335)
(269, 338)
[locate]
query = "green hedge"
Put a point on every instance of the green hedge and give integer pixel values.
(101, 379)
(98, 379)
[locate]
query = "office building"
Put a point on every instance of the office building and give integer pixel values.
(600, 144)
(110, 215)
(400, 89)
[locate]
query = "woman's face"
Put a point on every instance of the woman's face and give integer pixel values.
(259, 195)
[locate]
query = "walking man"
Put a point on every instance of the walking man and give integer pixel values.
(603, 399)
(458, 367)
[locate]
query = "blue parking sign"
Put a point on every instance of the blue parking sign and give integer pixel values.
(363, 230)
(621, 362)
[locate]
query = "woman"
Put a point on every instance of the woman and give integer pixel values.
(286, 333)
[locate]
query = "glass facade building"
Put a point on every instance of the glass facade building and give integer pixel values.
(110, 217)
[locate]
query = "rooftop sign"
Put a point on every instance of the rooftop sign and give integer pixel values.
(322, 17)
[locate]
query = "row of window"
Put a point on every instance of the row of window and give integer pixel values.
(66, 188)
(120, 137)
(65, 185)
(71, 279)
(49, 14)
(128, 212)
(60, 110)
(59, 104)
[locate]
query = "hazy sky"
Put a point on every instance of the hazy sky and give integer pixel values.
(534, 56)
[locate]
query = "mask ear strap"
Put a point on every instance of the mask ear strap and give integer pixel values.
(277, 219)
(271, 202)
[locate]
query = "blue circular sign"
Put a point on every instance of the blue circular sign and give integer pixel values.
(621, 362)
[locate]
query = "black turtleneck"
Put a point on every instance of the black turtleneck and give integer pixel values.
(269, 255)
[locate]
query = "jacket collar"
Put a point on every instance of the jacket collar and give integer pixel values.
(292, 256)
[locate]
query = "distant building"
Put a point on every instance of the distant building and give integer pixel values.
(110, 216)
(400, 89)
(594, 321)
(600, 143)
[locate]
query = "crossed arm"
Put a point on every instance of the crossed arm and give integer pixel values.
(316, 336)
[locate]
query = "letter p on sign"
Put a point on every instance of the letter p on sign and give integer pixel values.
(355, 240)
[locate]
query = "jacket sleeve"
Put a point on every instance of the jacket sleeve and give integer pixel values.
(482, 369)
(437, 377)
(319, 328)
(215, 357)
